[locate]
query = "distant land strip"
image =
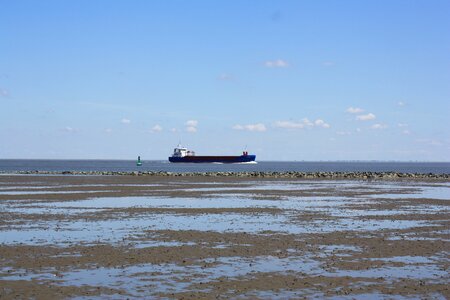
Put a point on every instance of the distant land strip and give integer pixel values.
(267, 174)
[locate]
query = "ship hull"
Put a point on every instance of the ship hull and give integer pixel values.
(213, 159)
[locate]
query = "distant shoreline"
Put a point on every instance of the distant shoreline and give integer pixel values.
(285, 175)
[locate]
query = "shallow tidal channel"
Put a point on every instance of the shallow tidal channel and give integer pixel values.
(115, 237)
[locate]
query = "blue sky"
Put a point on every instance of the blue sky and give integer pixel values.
(287, 80)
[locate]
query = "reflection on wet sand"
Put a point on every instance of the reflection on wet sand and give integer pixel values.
(128, 236)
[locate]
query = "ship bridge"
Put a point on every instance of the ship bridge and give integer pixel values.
(182, 152)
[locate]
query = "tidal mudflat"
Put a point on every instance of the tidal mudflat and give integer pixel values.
(118, 237)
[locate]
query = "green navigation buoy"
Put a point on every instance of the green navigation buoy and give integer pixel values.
(139, 163)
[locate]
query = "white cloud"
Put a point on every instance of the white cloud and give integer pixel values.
(108, 130)
(279, 63)
(307, 122)
(343, 133)
(251, 127)
(70, 129)
(402, 125)
(354, 110)
(289, 125)
(304, 123)
(191, 129)
(358, 130)
(369, 116)
(156, 128)
(192, 123)
(401, 103)
(191, 126)
(321, 123)
(406, 132)
(436, 143)
(125, 121)
(431, 142)
(378, 126)
(173, 130)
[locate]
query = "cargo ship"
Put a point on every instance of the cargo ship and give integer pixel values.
(183, 155)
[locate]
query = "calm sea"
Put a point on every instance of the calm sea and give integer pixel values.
(11, 165)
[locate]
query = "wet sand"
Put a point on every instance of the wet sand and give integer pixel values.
(209, 237)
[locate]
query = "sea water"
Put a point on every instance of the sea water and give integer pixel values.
(11, 165)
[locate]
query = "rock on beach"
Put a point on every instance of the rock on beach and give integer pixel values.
(287, 174)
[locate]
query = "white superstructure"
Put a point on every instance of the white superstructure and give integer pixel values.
(182, 152)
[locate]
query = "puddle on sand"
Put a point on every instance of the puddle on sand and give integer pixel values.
(49, 210)
(377, 296)
(13, 193)
(361, 187)
(228, 201)
(440, 193)
(425, 271)
(419, 190)
(63, 186)
(168, 277)
(157, 202)
(150, 279)
(114, 231)
(119, 228)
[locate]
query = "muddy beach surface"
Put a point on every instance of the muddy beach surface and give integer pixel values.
(118, 237)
